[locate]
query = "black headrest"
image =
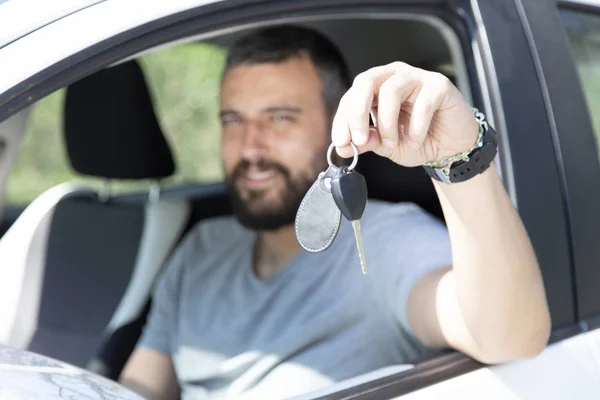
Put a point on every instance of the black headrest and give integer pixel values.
(111, 130)
(389, 181)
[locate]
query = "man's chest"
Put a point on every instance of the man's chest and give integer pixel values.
(230, 311)
(231, 326)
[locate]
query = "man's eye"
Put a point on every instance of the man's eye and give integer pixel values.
(283, 118)
(231, 120)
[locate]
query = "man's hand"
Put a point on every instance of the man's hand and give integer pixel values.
(420, 115)
(491, 303)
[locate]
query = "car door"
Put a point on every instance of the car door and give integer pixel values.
(510, 81)
(568, 368)
(538, 106)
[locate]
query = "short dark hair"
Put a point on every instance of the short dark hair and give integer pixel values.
(280, 43)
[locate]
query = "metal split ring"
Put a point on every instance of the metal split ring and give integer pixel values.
(354, 160)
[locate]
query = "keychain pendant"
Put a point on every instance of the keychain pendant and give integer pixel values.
(318, 218)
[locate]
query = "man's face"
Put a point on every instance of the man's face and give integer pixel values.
(275, 136)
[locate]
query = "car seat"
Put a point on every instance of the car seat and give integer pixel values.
(79, 264)
(391, 182)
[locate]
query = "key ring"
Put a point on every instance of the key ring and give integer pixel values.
(354, 161)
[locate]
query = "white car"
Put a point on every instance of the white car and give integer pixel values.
(78, 260)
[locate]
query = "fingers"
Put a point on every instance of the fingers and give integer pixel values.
(392, 93)
(373, 142)
(340, 132)
(430, 97)
(351, 122)
(361, 102)
(386, 89)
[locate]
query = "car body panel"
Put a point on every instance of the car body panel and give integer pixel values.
(565, 370)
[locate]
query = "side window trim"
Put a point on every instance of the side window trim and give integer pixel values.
(533, 155)
(580, 149)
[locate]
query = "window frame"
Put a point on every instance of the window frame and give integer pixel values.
(582, 173)
(472, 20)
(535, 161)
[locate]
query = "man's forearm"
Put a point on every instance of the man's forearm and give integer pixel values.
(497, 280)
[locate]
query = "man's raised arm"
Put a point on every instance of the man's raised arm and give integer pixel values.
(491, 303)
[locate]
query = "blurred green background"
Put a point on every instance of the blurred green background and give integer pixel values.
(184, 84)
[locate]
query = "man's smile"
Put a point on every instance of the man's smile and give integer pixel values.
(256, 178)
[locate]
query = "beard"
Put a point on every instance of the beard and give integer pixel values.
(252, 208)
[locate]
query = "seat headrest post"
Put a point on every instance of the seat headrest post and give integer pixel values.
(154, 192)
(105, 191)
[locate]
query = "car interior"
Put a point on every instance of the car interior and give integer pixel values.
(78, 265)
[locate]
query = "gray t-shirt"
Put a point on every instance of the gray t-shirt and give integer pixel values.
(317, 321)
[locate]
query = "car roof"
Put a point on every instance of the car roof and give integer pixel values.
(18, 18)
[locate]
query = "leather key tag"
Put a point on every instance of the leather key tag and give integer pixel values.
(318, 218)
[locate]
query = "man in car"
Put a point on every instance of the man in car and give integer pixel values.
(243, 312)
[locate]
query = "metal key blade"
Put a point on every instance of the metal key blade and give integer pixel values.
(359, 245)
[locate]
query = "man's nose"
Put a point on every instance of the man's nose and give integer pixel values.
(255, 142)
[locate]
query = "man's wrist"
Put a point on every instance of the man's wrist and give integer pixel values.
(464, 166)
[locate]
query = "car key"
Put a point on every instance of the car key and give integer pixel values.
(349, 191)
(337, 191)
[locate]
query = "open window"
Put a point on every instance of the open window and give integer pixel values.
(183, 78)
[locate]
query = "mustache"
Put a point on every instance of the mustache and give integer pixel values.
(262, 164)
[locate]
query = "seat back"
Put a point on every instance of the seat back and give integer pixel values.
(79, 264)
(391, 182)
(22, 265)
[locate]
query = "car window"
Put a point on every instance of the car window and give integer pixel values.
(583, 31)
(184, 84)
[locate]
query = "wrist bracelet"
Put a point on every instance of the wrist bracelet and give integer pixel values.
(465, 165)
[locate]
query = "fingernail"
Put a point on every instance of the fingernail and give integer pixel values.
(389, 143)
(413, 144)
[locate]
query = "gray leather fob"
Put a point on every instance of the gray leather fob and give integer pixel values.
(318, 217)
